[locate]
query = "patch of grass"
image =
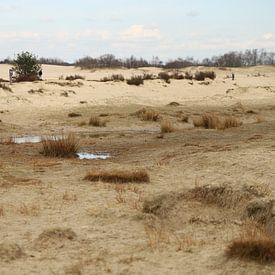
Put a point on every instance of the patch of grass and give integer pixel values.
(74, 77)
(64, 146)
(64, 84)
(147, 76)
(138, 176)
(253, 244)
(165, 76)
(135, 80)
(201, 76)
(5, 87)
(148, 115)
(167, 126)
(82, 123)
(38, 91)
(10, 251)
(97, 122)
(114, 77)
(74, 115)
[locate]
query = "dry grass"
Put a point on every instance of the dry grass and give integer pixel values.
(74, 114)
(135, 80)
(2, 211)
(5, 87)
(38, 91)
(253, 244)
(97, 122)
(215, 121)
(64, 146)
(66, 84)
(138, 176)
(82, 123)
(74, 77)
(29, 210)
(148, 115)
(221, 195)
(10, 251)
(167, 126)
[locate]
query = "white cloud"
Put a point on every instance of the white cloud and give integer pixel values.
(268, 36)
(137, 32)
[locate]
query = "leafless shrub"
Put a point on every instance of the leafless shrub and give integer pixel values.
(167, 126)
(148, 115)
(74, 77)
(135, 80)
(5, 87)
(165, 76)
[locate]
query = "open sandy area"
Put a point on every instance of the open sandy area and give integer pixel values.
(106, 228)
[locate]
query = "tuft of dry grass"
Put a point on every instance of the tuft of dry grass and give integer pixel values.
(253, 244)
(64, 146)
(10, 251)
(97, 122)
(29, 210)
(2, 212)
(74, 77)
(148, 115)
(135, 80)
(167, 126)
(5, 87)
(74, 114)
(38, 91)
(82, 123)
(138, 176)
(213, 120)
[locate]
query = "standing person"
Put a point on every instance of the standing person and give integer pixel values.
(233, 76)
(10, 75)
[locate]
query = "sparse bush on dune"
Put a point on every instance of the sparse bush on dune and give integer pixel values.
(165, 76)
(138, 176)
(201, 76)
(188, 76)
(74, 77)
(211, 120)
(5, 87)
(97, 122)
(254, 244)
(135, 80)
(60, 146)
(148, 115)
(114, 77)
(147, 76)
(167, 126)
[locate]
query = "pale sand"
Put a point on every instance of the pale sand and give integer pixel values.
(113, 236)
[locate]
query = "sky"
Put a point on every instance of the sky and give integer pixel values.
(70, 29)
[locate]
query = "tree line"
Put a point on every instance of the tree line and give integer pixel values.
(245, 58)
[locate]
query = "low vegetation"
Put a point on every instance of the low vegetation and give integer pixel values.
(135, 80)
(114, 77)
(138, 176)
(74, 77)
(148, 114)
(60, 146)
(253, 244)
(5, 87)
(97, 122)
(167, 126)
(38, 91)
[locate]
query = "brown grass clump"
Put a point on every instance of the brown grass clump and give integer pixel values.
(74, 77)
(63, 146)
(38, 91)
(97, 122)
(165, 76)
(253, 244)
(147, 76)
(118, 176)
(213, 120)
(10, 251)
(74, 115)
(5, 87)
(221, 195)
(135, 80)
(148, 115)
(166, 126)
(200, 76)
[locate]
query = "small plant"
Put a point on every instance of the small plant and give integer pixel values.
(27, 67)
(166, 126)
(64, 146)
(118, 176)
(118, 77)
(74, 77)
(135, 80)
(200, 76)
(165, 76)
(253, 244)
(148, 115)
(38, 91)
(74, 115)
(97, 122)
(5, 87)
(148, 76)
(188, 76)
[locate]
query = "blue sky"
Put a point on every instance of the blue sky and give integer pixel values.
(166, 28)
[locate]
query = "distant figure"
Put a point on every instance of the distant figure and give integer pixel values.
(10, 75)
(233, 76)
(40, 74)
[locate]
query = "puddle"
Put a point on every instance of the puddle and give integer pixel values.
(93, 156)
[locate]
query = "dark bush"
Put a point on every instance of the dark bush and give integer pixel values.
(164, 76)
(74, 77)
(135, 80)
